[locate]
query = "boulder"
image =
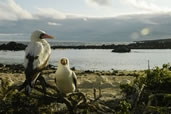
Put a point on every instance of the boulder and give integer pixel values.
(12, 46)
(121, 49)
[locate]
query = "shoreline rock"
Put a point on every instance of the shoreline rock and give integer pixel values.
(122, 49)
(16, 46)
(13, 46)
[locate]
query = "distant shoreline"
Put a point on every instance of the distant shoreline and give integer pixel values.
(154, 44)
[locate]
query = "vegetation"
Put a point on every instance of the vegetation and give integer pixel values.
(150, 93)
(14, 101)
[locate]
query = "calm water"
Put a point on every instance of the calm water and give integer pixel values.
(91, 59)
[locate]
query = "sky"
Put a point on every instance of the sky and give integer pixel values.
(63, 9)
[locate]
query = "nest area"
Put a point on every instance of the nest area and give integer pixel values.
(150, 92)
(52, 101)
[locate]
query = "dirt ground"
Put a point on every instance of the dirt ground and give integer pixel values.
(88, 81)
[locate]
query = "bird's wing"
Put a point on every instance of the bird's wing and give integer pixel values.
(40, 51)
(36, 58)
(32, 54)
(44, 55)
(32, 61)
(74, 77)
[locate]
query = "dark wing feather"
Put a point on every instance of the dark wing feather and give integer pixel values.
(74, 77)
(31, 73)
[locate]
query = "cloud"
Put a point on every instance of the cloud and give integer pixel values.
(54, 24)
(146, 5)
(9, 10)
(96, 3)
(49, 13)
(11, 34)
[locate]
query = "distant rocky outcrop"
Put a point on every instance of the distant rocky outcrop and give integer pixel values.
(149, 44)
(121, 49)
(12, 46)
(103, 46)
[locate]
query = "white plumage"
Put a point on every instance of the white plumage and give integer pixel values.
(65, 78)
(40, 49)
(36, 57)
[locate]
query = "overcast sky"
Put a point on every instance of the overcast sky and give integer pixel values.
(62, 9)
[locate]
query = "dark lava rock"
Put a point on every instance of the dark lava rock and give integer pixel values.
(52, 67)
(85, 47)
(14, 68)
(88, 71)
(13, 46)
(121, 49)
(73, 68)
(2, 65)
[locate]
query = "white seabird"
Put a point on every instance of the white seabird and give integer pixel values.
(66, 79)
(36, 57)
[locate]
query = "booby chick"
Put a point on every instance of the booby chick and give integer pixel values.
(36, 58)
(66, 79)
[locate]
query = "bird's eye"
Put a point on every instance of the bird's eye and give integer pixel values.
(41, 36)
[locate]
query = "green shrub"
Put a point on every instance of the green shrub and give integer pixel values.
(159, 79)
(127, 88)
(124, 107)
(157, 84)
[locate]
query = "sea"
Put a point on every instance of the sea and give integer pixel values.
(92, 59)
(99, 59)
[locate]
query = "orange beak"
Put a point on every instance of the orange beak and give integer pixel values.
(48, 36)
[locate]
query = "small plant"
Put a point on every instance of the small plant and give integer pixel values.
(124, 107)
(5, 87)
(155, 83)
(159, 79)
(128, 89)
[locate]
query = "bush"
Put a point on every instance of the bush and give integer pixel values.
(156, 92)
(159, 79)
(124, 107)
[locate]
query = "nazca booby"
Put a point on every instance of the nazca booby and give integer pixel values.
(65, 78)
(36, 58)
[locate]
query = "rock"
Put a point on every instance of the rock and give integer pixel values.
(13, 46)
(88, 71)
(52, 67)
(73, 68)
(121, 49)
(2, 65)
(15, 68)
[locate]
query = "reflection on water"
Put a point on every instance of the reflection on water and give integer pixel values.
(90, 59)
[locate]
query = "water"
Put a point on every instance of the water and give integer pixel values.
(93, 59)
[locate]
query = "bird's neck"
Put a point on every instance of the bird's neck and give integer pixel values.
(63, 69)
(40, 40)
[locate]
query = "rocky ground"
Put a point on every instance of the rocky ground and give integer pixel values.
(89, 81)
(100, 92)
(109, 81)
